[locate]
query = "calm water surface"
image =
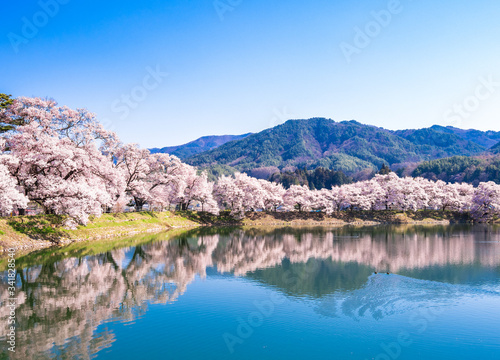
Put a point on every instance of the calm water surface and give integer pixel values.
(265, 294)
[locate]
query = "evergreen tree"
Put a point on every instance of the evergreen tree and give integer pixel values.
(7, 124)
(384, 170)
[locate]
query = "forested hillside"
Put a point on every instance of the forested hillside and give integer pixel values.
(461, 169)
(348, 146)
(484, 138)
(495, 149)
(319, 178)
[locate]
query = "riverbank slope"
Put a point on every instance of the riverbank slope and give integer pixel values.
(37, 232)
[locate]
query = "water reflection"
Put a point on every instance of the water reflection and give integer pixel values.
(62, 303)
(384, 296)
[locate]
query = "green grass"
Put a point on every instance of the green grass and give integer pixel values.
(22, 231)
(86, 248)
(39, 227)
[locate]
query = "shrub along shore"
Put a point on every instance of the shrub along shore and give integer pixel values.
(31, 233)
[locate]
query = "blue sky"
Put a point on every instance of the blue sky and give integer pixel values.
(237, 66)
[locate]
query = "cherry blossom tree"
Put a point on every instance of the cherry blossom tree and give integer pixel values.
(272, 195)
(240, 194)
(195, 188)
(324, 201)
(411, 195)
(10, 197)
(187, 187)
(464, 196)
(204, 195)
(358, 196)
(298, 197)
(253, 193)
(391, 185)
(228, 195)
(374, 192)
(438, 194)
(60, 161)
(486, 202)
(144, 173)
(338, 198)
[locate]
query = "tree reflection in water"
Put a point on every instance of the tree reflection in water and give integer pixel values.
(62, 303)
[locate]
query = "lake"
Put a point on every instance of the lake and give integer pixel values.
(399, 292)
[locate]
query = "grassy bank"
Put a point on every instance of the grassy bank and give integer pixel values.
(38, 232)
(29, 233)
(87, 248)
(357, 218)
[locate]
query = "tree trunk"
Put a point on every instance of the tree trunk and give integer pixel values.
(138, 204)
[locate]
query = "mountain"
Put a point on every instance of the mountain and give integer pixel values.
(484, 138)
(495, 149)
(471, 170)
(197, 146)
(439, 144)
(348, 146)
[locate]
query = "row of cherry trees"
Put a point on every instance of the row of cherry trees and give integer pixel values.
(65, 161)
(384, 192)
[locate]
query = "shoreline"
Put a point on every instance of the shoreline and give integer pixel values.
(32, 233)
